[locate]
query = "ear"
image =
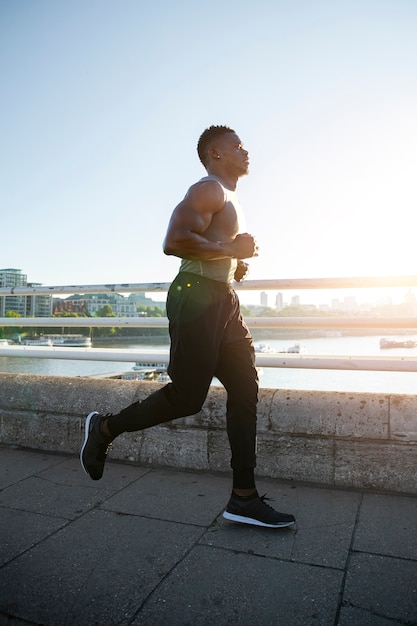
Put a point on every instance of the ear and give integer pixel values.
(213, 153)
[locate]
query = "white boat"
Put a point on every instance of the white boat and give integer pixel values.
(70, 341)
(147, 365)
(151, 370)
(263, 348)
(385, 344)
(148, 375)
(39, 341)
(295, 349)
(4, 343)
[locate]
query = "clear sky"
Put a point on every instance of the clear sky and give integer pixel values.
(103, 103)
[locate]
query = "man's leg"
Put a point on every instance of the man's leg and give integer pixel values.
(197, 316)
(238, 373)
(196, 313)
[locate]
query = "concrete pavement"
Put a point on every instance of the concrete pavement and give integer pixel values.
(148, 546)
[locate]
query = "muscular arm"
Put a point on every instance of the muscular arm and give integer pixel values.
(200, 229)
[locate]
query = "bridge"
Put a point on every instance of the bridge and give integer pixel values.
(360, 440)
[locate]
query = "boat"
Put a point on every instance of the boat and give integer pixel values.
(70, 341)
(263, 348)
(385, 344)
(38, 342)
(146, 370)
(295, 349)
(148, 375)
(146, 365)
(151, 370)
(4, 343)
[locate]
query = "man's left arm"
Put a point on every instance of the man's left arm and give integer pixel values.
(241, 271)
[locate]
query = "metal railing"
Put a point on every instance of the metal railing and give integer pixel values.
(371, 363)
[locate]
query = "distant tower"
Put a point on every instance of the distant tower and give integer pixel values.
(264, 298)
(279, 302)
(295, 300)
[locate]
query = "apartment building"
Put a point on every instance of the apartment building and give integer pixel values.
(24, 305)
(91, 304)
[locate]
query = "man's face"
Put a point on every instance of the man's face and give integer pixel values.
(232, 154)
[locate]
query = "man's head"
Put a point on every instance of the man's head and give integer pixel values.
(208, 138)
(222, 153)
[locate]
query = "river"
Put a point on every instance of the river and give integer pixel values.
(326, 380)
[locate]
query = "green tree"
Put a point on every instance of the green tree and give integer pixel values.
(151, 311)
(105, 311)
(246, 311)
(10, 331)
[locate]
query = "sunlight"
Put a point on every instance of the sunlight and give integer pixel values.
(342, 197)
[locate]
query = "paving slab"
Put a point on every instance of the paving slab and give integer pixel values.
(387, 525)
(177, 496)
(149, 546)
(322, 536)
(22, 530)
(352, 616)
(97, 570)
(384, 586)
(64, 491)
(17, 465)
(244, 590)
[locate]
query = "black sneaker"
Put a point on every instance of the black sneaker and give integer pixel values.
(255, 511)
(96, 446)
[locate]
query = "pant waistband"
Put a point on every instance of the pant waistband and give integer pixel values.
(203, 280)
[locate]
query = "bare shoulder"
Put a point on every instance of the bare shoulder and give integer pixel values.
(206, 192)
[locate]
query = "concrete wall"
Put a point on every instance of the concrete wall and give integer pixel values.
(343, 439)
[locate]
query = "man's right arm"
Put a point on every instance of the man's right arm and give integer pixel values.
(189, 235)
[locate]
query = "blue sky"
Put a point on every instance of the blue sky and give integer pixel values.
(103, 102)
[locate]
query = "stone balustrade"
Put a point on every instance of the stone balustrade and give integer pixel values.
(353, 440)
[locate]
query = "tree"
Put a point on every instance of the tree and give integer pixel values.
(246, 311)
(9, 331)
(105, 311)
(151, 311)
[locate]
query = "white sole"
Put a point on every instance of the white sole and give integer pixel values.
(87, 430)
(254, 522)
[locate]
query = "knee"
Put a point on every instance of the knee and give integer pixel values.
(184, 402)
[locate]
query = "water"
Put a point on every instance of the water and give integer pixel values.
(326, 380)
(341, 380)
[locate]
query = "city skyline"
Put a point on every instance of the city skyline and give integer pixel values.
(336, 299)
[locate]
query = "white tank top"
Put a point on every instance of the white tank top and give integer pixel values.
(222, 270)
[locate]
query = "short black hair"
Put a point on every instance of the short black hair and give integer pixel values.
(206, 139)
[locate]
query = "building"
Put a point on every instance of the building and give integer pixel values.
(23, 305)
(279, 301)
(16, 304)
(139, 299)
(92, 303)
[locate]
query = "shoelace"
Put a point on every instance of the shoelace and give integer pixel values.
(110, 444)
(106, 447)
(263, 498)
(103, 451)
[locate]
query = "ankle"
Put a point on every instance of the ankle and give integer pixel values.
(244, 493)
(105, 429)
